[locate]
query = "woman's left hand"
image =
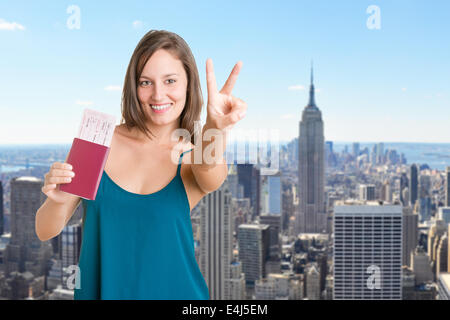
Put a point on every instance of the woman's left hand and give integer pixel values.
(224, 110)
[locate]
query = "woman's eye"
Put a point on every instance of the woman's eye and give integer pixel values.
(171, 80)
(145, 83)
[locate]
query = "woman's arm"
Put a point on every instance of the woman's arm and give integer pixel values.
(210, 176)
(224, 111)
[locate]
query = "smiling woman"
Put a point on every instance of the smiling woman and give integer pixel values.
(148, 77)
(137, 233)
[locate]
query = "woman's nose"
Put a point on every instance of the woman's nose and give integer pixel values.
(158, 92)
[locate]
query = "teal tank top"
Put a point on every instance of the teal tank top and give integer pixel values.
(137, 247)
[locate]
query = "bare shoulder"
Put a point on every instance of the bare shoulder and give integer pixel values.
(120, 142)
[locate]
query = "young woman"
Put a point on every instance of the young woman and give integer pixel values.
(137, 233)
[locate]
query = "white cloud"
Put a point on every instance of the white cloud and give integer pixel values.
(137, 24)
(297, 87)
(113, 88)
(84, 103)
(10, 26)
(404, 89)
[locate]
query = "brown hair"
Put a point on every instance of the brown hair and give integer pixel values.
(132, 113)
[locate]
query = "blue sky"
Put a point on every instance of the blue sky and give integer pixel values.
(387, 84)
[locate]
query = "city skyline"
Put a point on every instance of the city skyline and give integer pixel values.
(354, 203)
(376, 84)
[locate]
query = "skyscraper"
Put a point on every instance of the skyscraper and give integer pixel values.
(380, 153)
(249, 177)
(367, 192)
(413, 185)
(447, 187)
(274, 184)
(410, 234)
(25, 252)
(236, 282)
(355, 149)
(254, 251)
(1, 209)
(404, 183)
(216, 240)
(367, 252)
(311, 217)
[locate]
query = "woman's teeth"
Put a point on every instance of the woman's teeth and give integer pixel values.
(165, 106)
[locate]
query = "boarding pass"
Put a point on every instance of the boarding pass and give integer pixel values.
(97, 127)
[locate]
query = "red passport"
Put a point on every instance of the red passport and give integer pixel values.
(88, 160)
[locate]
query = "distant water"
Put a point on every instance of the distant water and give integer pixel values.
(435, 155)
(5, 168)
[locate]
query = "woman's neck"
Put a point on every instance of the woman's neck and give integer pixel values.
(160, 135)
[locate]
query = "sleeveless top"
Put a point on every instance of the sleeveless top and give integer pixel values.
(138, 246)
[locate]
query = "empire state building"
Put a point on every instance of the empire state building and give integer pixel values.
(311, 217)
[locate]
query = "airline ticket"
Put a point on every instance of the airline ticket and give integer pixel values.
(97, 127)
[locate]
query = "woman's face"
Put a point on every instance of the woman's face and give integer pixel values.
(162, 88)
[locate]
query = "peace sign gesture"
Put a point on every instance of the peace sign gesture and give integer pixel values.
(224, 110)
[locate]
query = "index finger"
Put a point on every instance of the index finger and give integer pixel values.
(229, 84)
(59, 165)
(210, 78)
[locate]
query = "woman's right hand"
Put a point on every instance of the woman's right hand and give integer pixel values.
(59, 173)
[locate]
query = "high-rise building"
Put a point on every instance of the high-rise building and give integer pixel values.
(311, 217)
(444, 214)
(424, 207)
(444, 286)
(1, 209)
(275, 287)
(70, 246)
(413, 185)
(313, 283)
(274, 186)
(236, 189)
(437, 230)
(373, 155)
(367, 192)
(442, 255)
(254, 251)
(367, 252)
(447, 187)
(236, 282)
(380, 153)
(404, 183)
(216, 241)
(410, 235)
(330, 158)
(273, 264)
(249, 177)
(420, 264)
(386, 192)
(355, 149)
(25, 252)
(424, 186)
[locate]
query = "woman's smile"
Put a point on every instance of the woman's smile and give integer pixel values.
(161, 108)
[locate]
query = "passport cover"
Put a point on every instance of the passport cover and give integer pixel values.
(88, 160)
